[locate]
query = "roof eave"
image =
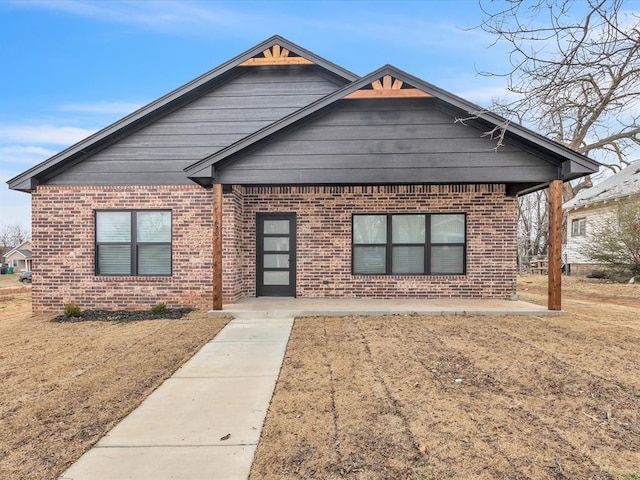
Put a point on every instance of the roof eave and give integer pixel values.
(597, 203)
(573, 164)
(17, 249)
(24, 181)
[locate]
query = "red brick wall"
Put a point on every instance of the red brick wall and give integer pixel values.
(63, 244)
(63, 238)
(232, 247)
(324, 238)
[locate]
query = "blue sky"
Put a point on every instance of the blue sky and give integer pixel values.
(69, 68)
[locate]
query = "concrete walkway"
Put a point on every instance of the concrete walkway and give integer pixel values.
(205, 421)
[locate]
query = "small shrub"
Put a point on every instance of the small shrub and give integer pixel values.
(72, 310)
(598, 274)
(159, 308)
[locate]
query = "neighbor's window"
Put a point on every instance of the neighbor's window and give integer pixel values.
(579, 227)
(409, 244)
(133, 242)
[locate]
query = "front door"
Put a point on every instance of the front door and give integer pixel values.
(276, 250)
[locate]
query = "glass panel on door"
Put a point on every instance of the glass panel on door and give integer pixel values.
(276, 226)
(278, 244)
(271, 260)
(276, 278)
(275, 273)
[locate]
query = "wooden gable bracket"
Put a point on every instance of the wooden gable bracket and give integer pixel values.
(275, 55)
(388, 87)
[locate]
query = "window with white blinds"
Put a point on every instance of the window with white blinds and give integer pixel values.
(409, 244)
(133, 242)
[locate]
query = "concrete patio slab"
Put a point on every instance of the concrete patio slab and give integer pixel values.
(250, 320)
(274, 307)
(164, 463)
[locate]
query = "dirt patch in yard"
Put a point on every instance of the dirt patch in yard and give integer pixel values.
(64, 385)
(462, 396)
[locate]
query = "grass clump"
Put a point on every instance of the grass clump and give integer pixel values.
(159, 308)
(72, 310)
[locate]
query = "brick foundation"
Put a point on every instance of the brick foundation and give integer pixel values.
(63, 243)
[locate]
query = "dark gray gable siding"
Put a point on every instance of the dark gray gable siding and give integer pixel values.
(158, 153)
(172, 101)
(384, 141)
(540, 159)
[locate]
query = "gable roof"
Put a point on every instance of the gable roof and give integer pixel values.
(546, 159)
(28, 180)
(25, 252)
(624, 183)
(570, 163)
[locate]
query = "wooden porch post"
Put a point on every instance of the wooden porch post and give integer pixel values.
(554, 266)
(217, 246)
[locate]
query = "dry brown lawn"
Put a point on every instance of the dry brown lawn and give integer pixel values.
(64, 385)
(363, 398)
(468, 397)
(11, 282)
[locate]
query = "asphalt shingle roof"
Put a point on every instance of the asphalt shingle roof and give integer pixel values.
(624, 183)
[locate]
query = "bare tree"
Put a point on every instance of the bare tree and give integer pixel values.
(575, 77)
(533, 225)
(11, 236)
(575, 74)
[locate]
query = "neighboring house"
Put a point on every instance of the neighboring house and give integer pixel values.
(279, 173)
(19, 258)
(592, 206)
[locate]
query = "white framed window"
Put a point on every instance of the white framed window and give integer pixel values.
(579, 227)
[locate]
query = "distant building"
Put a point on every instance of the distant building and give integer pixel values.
(592, 206)
(19, 258)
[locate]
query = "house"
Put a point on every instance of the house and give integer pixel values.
(19, 258)
(279, 173)
(590, 207)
